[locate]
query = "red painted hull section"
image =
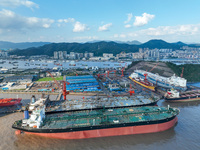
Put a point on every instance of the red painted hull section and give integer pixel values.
(9, 102)
(110, 132)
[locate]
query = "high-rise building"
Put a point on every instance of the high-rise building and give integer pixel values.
(65, 54)
(60, 54)
(91, 54)
(55, 55)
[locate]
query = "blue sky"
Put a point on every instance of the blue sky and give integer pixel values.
(88, 20)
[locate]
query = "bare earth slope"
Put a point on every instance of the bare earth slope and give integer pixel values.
(162, 69)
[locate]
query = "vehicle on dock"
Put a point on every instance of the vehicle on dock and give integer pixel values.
(97, 123)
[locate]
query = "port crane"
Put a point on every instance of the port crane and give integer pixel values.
(182, 72)
(109, 71)
(131, 92)
(150, 70)
(123, 70)
(64, 90)
(104, 74)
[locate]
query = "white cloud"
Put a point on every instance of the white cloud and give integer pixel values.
(105, 27)
(68, 20)
(127, 26)
(79, 27)
(173, 30)
(17, 3)
(142, 20)
(85, 38)
(10, 21)
(130, 15)
(171, 33)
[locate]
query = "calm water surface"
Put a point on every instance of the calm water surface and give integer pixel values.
(185, 135)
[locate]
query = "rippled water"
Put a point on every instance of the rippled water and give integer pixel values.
(185, 135)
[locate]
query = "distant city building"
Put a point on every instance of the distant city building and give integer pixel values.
(107, 55)
(60, 54)
(65, 54)
(55, 55)
(91, 54)
(3, 53)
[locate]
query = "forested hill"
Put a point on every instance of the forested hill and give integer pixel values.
(98, 48)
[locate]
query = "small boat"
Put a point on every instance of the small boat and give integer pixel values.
(10, 101)
(175, 96)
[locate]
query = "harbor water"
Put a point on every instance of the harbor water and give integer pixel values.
(184, 135)
(44, 64)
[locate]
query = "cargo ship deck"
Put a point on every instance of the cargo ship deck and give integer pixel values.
(97, 103)
(101, 118)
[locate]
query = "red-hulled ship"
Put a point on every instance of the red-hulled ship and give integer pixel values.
(97, 123)
(10, 101)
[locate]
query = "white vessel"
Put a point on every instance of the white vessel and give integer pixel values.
(166, 82)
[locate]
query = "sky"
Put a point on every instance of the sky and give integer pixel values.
(96, 20)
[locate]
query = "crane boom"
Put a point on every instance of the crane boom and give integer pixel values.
(123, 70)
(154, 67)
(182, 72)
(54, 80)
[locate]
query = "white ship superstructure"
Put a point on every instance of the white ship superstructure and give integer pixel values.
(166, 82)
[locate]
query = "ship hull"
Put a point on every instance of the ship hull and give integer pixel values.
(10, 103)
(146, 86)
(182, 99)
(146, 127)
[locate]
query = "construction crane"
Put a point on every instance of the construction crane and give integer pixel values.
(108, 72)
(63, 90)
(104, 74)
(154, 67)
(131, 92)
(182, 72)
(150, 70)
(123, 70)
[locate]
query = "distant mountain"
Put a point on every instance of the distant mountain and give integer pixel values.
(24, 45)
(162, 44)
(98, 48)
(135, 42)
(180, 43)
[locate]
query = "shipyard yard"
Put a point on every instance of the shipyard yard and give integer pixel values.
(99, 92)
(99, 75)
(183, 136)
